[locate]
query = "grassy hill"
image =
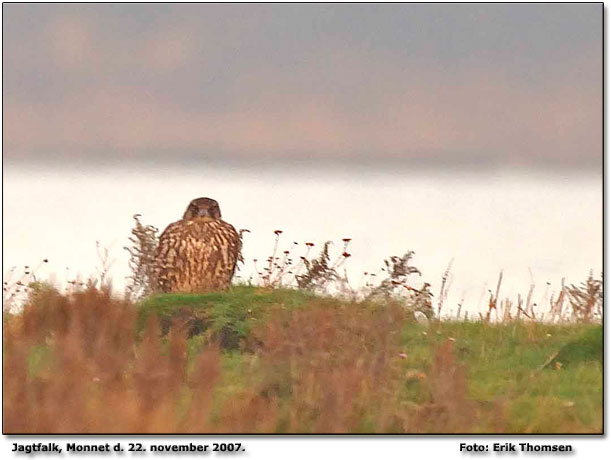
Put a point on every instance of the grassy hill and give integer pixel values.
(286, 361)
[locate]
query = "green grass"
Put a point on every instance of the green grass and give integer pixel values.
(285, 361)
(503, 363)
(227, 316)
(586, 347)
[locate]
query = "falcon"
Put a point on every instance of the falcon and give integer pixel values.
(199, 252)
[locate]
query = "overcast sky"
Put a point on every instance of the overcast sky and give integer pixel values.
(478, 84)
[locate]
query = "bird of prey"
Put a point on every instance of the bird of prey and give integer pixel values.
(197, 253)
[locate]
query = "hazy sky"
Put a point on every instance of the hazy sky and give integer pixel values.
(479, 84)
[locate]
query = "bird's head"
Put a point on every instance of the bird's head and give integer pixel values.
(202, 207)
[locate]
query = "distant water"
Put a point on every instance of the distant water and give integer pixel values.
(532, 226)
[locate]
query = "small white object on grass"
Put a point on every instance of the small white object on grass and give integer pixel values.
(421, 317)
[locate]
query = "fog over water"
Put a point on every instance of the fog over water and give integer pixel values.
(530, 225)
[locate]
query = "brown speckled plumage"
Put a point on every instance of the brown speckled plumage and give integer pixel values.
(199, 252)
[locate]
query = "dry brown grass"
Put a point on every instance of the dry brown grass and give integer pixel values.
(142, 250)
(73, 363)
(326, 368)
